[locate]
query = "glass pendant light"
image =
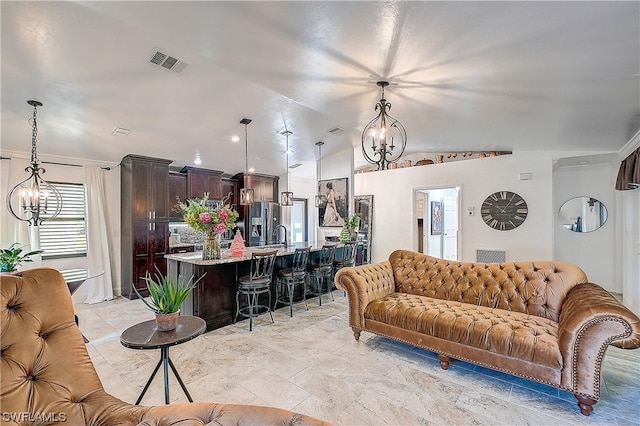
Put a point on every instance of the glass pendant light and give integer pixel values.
(286, 198)
(246, 194)
(321, 199)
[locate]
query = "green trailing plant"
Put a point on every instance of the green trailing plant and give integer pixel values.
(12, 256)
(166, 295)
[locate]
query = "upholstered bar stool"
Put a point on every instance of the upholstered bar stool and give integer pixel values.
(322, 272)
(289, 278)
(253, 285)
(348, 259)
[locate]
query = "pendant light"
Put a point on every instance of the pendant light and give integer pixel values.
(286, 198)
(36, 198)
(384, 132)
(321, 199)
(246, 194)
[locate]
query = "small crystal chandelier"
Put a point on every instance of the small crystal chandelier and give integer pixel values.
(36, 200)
(286, 198)
(385, 134)
(246, 194)
(321, 199)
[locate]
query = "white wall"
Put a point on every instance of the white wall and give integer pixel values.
(593, 251)
(395, 212)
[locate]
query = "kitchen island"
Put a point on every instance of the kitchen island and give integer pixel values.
(214, 298)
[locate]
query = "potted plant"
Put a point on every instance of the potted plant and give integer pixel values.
(166, 297)
(12, 256)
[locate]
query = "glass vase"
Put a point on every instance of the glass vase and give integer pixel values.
(211, 247)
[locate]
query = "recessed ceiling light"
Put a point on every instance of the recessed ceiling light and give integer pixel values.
(235, 138)
(197, 160)
(251, 169)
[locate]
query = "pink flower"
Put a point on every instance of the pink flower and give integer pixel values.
(204, 217)
(223, 216)
(219, 228)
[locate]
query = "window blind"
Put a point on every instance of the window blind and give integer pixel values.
(66, 235)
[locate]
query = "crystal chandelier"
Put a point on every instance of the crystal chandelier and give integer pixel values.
(34, 200)
(286, 198)
(385, 134)
(246, 194)
(321, 199)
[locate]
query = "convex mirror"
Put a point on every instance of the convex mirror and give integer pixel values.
(583, 214)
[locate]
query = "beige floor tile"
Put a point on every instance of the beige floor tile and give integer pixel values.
(312, 364)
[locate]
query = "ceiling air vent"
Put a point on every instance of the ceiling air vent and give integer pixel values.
(293, 166)
(168, 62)
(336, 131)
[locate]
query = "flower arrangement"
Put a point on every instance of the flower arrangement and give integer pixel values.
(206, 219)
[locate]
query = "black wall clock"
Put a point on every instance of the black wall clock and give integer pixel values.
(504, 210)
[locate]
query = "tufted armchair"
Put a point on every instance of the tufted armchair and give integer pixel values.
(539, 320)
(48, 377)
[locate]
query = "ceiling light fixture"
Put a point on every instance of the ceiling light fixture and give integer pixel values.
(321, 199)
(246, 194)
(382, 130)
(286, 198)
(36, 198)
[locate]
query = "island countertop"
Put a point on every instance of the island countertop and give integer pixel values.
(195, 258)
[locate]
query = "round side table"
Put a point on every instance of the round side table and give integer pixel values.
(146, 336)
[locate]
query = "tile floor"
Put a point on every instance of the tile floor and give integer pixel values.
(311, 364)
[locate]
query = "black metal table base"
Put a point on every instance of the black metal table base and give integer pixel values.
(166, 362)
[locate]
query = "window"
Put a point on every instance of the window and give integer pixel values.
(66, 235)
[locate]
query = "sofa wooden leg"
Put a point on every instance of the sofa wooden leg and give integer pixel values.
(356, 334)
(444, 361)
(585, 404)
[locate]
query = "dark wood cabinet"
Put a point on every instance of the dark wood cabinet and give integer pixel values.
(265, 187)
(201, 181)
(144, 217)
(177, 193)
(230, 190)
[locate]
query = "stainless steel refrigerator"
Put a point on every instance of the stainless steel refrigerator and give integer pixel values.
(261, 223)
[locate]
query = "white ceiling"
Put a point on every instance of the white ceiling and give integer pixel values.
(464, 76)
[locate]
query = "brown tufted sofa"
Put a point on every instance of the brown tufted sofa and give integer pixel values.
(539, 320)
(48, 378)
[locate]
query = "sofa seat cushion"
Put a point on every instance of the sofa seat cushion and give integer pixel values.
(518, 335)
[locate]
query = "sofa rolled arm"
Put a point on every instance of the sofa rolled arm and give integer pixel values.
(592, 319)
(363, 284)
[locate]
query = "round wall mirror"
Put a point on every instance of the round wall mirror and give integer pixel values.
(583, 214)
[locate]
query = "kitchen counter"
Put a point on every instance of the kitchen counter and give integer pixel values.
(195, 258)
(214, 298)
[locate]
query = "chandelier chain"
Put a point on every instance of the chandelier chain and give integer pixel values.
(34, 136)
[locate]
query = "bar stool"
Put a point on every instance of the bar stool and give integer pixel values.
(292, 277)
(348, 258)
(322, 271)
(253, 285)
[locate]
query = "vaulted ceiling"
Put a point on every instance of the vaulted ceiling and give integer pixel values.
(464, 76)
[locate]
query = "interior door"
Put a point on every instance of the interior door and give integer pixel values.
(298, 225)
(450, 225)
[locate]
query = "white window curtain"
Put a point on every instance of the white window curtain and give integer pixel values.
(14, 230)
(100, 288)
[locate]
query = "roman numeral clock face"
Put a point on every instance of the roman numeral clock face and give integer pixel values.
(504, 210)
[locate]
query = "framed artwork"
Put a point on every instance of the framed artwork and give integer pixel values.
(436, 218)
(335, 210)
